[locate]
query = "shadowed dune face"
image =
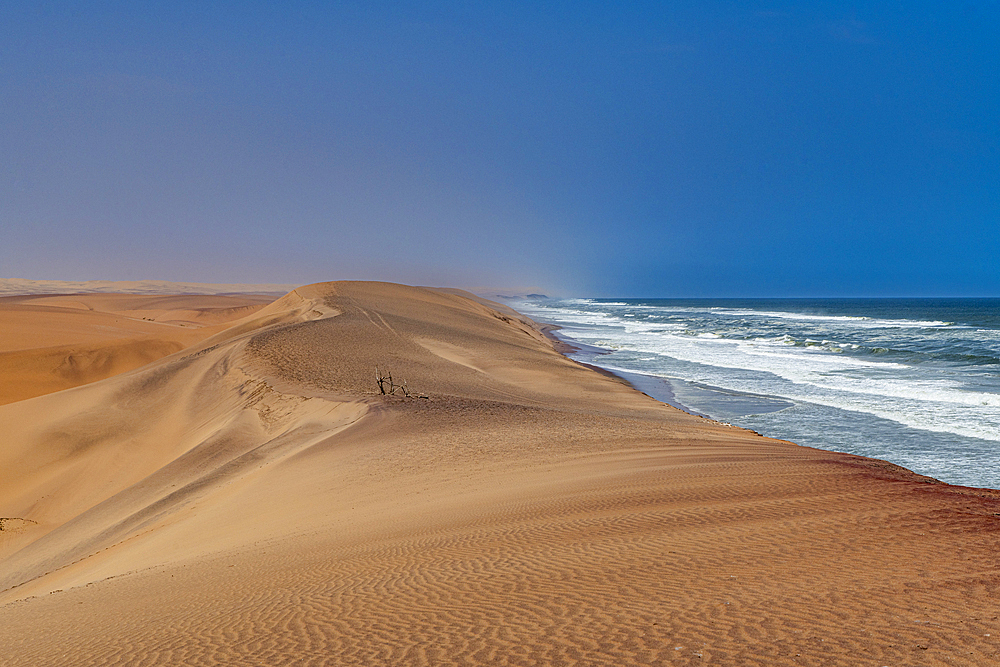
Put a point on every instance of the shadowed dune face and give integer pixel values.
(252, 499)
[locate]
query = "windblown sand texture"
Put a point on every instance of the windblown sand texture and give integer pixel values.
(252, 500)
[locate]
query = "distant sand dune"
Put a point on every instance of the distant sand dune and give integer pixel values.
(252, 499)
(51, 343)
(10, 286)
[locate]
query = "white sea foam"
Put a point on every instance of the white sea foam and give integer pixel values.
(803, 369)
(853, 321)
(850, 320)
(918, 408)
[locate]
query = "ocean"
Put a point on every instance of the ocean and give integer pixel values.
(911, 381)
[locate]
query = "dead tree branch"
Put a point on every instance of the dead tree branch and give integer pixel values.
(387, 386)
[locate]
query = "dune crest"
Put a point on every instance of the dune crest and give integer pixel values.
(253, 499)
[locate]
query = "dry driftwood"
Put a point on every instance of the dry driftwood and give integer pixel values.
(388, 386)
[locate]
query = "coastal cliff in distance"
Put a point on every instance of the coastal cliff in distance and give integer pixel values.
(250, 497)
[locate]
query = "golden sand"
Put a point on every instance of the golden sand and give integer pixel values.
(250, 498)
(54, 342)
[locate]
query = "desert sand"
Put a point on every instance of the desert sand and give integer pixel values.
(248, 497)
(50, 342)
(21, 286)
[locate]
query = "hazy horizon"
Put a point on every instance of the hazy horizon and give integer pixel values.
(697, 150)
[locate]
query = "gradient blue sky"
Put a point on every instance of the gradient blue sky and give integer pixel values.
(650, 149)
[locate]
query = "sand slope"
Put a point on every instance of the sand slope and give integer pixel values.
(53, 342)
(253, 500)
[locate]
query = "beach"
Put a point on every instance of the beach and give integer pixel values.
(218, 480)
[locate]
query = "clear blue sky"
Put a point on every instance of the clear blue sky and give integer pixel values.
(650, 149)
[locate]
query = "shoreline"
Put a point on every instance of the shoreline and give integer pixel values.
(662, 390)
(656, 387)
(753, 412)
(664, 395)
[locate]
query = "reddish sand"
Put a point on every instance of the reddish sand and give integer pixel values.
(252, 499)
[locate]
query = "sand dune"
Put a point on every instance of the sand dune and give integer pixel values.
(53, 342)
(251, 499)
(16, 286)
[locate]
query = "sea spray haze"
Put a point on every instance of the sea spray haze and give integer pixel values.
(912, 381)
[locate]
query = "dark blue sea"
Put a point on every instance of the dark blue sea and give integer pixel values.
(912, 381)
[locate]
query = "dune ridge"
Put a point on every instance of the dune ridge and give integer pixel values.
(253, 499)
